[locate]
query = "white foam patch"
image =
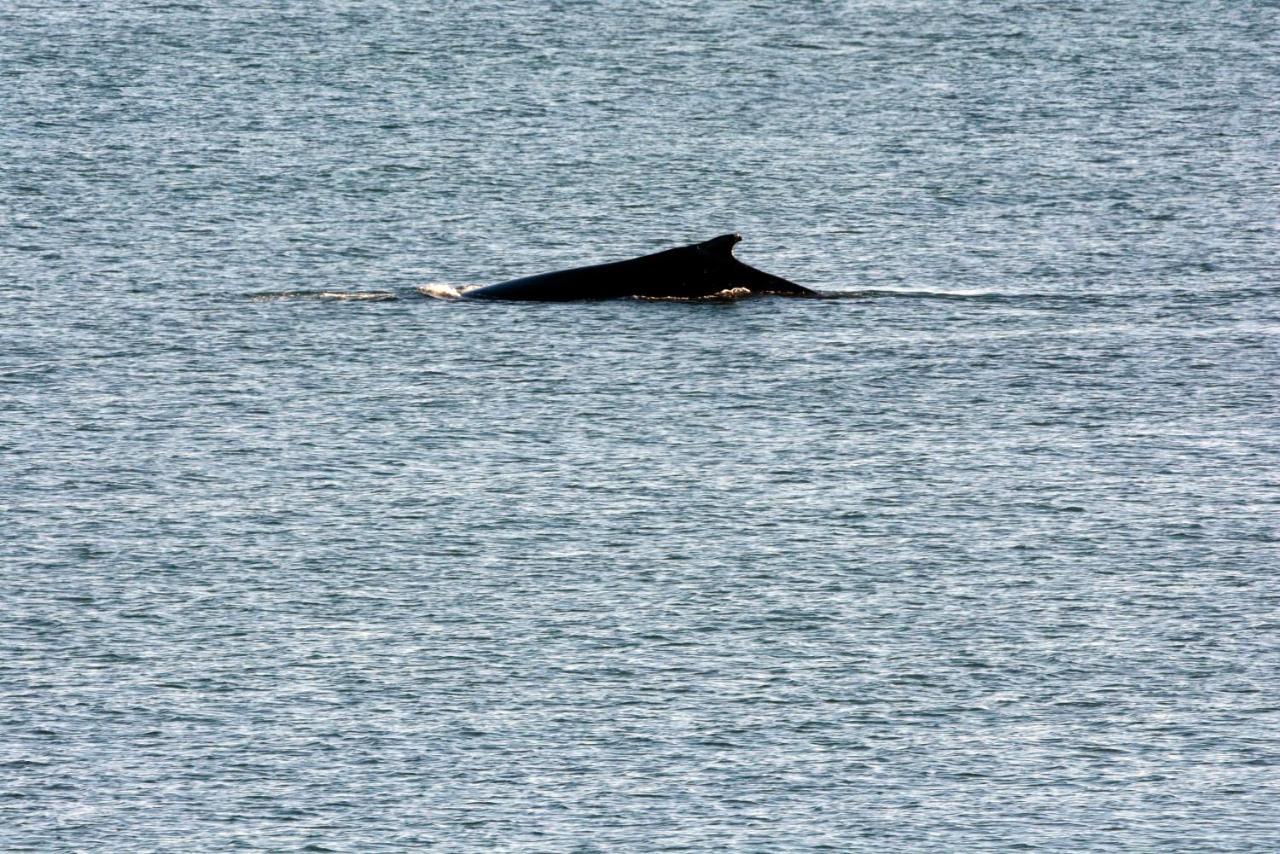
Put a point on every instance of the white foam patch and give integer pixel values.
(719, 296)
(731, 293)
(439, 290)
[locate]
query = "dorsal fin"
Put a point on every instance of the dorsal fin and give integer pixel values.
(722, 245)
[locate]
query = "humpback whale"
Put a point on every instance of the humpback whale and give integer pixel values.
(688, 272)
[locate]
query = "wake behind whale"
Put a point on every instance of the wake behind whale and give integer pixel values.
(335, 296)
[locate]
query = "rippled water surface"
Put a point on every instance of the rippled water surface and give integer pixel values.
(979, 554)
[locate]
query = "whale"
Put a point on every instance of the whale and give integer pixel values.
(696, 271)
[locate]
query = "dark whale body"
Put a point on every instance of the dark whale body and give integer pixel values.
(689, 272)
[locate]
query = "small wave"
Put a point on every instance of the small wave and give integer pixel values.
(21, 371)
(347, 296)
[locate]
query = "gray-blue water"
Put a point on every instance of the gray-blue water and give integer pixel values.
(981, 555)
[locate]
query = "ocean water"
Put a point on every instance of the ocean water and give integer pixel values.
(978, 554)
